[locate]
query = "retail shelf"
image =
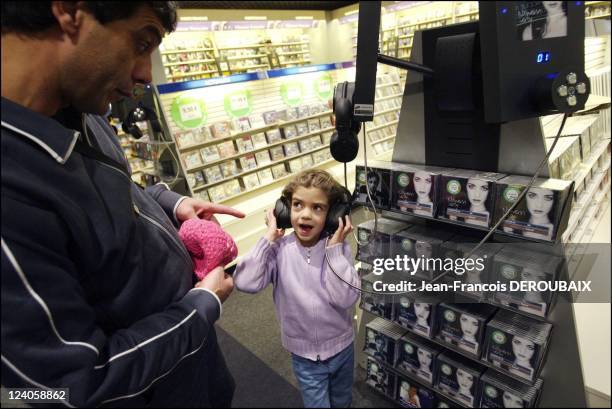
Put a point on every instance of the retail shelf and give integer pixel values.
(589, 217)
(389, 97)
(187, 50)
(389, 84)
(469, 13)
(226, 199)
(290, 43)
(385, 139)
(294, 52)
(189, 74)
(237, 47)
(294, 62)
(374, 128)
(465, 354)
(258, 168)
(281, 124)
(246, 57)
(404, 47)
(248, 67)
(171, 64)
(272, 145)
(406, 36)
(582, 205)
(588, 164)
(386, 111)
(418, 23)
(599, 16)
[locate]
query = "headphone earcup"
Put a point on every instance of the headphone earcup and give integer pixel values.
(339, 209)
(282, 212)
(344, 147)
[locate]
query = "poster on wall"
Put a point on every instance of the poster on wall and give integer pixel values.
(188, 112)
(292, 93)
(238, 103)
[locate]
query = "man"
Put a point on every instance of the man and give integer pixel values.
(97, 289)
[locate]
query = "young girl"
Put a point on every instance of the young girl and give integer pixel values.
(313, 306)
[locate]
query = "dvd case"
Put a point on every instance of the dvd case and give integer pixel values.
(248, 162)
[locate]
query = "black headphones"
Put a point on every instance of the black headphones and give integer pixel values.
(344, 144)
(139, 114)
(340, 208)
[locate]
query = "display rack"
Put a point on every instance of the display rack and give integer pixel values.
(562, 364)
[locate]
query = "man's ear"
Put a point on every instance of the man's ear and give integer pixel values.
(69, 16)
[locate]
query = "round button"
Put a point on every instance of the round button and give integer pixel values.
(562, 91)
(571, 78)
(571, 101)
(581, 88)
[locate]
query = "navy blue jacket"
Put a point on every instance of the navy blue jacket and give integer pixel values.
(97, 288)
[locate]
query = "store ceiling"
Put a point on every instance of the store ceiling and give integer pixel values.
(266, 5)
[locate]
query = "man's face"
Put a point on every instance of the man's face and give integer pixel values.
(107, 61)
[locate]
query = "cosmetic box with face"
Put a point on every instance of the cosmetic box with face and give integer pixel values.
(517, 344)
(375, 238)
(463, 325)
(458, 377)
(382, 340)
(377, 304)
(418, 315)
(499, 391)
(414, 189)
(421, 244)
(380, 378)
(412, 395)
(538, 214)
(417, 357)
(467, 196)
(377, 182)
(517, 264)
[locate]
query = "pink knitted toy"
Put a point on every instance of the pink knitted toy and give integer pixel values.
(208, 244)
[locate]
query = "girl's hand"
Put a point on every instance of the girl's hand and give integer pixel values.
(343, 231)
(273, 233)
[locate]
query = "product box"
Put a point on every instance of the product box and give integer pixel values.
(291, 114)
(217, 193)
(320, 156)
(250, 181)
(380, 378)
(517, 344)
(458, 377)
(192, 159)
(289, 131)
(279, 171)
(305, 145)
(229, 168)
(257, 121)
(414, 188)
(326, 122)
(210, 153)
(518, 264)
(291, 149)
(371, 301)
(375, 238)
(231, 188)
(463, 325)
(468, 196)
(565, 156)
(259, 140)
(327, 137)
(262, 157)
(241, 124)
(226, 149)
(315, 109)
(539, 213)
(270, 117)
(302, 128)
(184, 139)
(417, 356)
(420, 241)
(213, 174)
(442, 402)
(315, 141)
(295, 165)
(378, 180)
(248, 162)
(277, 153)
(303, 111)
(314, 125)
(220, 130)
(416, 315)
(382, 340)
(245, 144)
(307, 162)
(498, 391)
(265, 176)
(273, 135)
(413, 395)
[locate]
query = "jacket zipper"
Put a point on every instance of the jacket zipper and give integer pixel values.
(138, 212)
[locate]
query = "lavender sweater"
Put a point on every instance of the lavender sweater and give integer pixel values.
(312, 304)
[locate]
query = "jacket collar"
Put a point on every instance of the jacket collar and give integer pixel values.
(44, 131)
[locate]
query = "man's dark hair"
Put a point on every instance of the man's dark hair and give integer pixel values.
(30, 17)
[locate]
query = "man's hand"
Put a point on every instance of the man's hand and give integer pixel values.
(342, 232)
(273, 233)
(218, 282)
(191, 208)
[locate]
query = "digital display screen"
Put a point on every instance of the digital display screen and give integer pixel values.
(543, 57)
(536, 20)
